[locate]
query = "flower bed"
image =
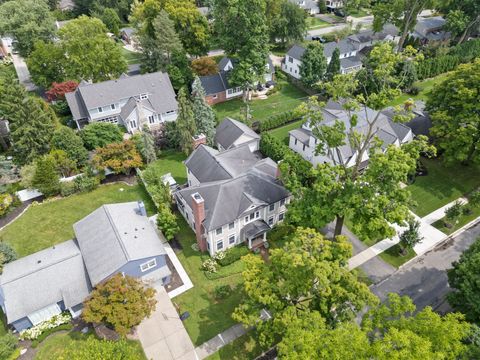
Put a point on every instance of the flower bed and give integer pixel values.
(34, 332)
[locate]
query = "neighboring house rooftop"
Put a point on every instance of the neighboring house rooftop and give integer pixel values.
(345, 46)
(113, 235)
(367, 36)
(52, 275)
(230, 130)
(296, 52)
(430, 28)
(127, 31)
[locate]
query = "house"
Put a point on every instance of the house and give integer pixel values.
(304, 142)
(127, 35)
(310, 6)
(131, 101)
(116, 238)
(334, 4)
(217, 87)
(430, 29)
(233, 197)
(232, 133)
(367, 38)
(349, 59)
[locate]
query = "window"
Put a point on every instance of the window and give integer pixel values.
(271, 207)
(231, 225)
(282, 202)
(257, 214)
(151, 119)
(220, 245)
(290, 59)
(215, 96)
(281, 216)
(303, 147)
(133, 124)
(113, 107)
(148, 265)
(252, 216)
(270, 220)
(295, 71)
(143, 96)
(231, 239)
(246, 219)
(208, 246)
(100, 109)
(110, 119)
(295, 141)
(218, 231)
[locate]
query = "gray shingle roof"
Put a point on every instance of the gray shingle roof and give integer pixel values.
(113, 235)
(213, 84)
(44, 278)
(425, 25)
(224, 62)
(367, 36)
(345, 46)
(301, 134)
(296, 52)
(350, 62)
(229, 130)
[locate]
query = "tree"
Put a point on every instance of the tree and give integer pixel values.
(119, 157)
(8, 253)
(411, 236)
(92, 349)
(402, 13)
(100, 134)
(64, 165)
(205, 118)
(185, 122)
(333, 67)
(88, 7)
(462, 16)
(46, 64)
(453, 108)
(145, 144)
(308, 274)
(453, 212)
(167, 221)
(8, 344)
(110, 18)
(204, 66)
(57, 91)
(179, 70)
(322, 6)
(290, 25)
(314, 64)
(121, 302)
(27, 21)
(64, 138)
(46, 178)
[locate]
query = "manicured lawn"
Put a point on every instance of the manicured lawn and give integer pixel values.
(394, 257)
(131, 56)
(442, 185)
(358, 13)
(462, 221)
(288, 98)
(172, 162)
(50, 223)
(246, 347)
(53, 348)
(281, 133)
(208, 316)
(316, 23)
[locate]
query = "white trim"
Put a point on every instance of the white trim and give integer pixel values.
(150, 264)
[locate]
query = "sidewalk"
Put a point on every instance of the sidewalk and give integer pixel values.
(440, 213)
(213, 345)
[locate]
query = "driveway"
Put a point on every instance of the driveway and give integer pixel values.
(162, 335)
(23, 73)
(425, 279)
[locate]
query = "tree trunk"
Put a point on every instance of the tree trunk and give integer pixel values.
(465, 33)
(339, 225)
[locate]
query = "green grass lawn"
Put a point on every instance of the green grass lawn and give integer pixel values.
(316, 23)
(394, 257)
(246, 347)
(53, 348)
(281, 133)
(131, 57)
(286, 99)
(462, 221)
(208, 316)
(171, 161)
(50, 223)
(358, 13)
(442, 185)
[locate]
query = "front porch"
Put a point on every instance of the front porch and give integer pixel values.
(255, 234)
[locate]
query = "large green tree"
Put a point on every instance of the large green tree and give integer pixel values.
(333, 67)
(309, 273)
(454, 110)
(27, 21)
(186, 126)
(46, 177)
(88, 7)
(463, 17)
(99, 134)
(204, 115)
(289, 25)
(64, 138)
(314, 64)
(145, 144)
(402, 13)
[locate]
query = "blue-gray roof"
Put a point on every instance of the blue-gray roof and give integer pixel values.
(229, 130)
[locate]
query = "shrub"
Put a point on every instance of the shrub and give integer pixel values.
(278, 120)
(48, 332)
(218, 256)
(453, 212)
(100, 134)
(35, 331)
(8, 253)
(6, 200)
(231, 255)
(85, 183)
(210, 266)
(222, 291)
(167, 221)
(414, 90)
(8, 343)
(67, 188)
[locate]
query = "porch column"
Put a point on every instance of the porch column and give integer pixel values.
(249, 243)
(264, 237)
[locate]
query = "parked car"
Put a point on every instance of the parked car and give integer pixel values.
(340, 12)
(319, 38)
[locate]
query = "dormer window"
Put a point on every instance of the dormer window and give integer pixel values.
(143, 96)
(113, 107)
(100, 109)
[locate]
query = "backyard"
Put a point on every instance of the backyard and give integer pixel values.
(281, 133)
(287, 98)
(171, 161)
(47, 224)
(131, 57)
(316, 23)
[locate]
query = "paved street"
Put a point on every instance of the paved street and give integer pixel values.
(425, 279)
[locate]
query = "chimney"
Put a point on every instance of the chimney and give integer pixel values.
(199, 140)
(141, 208)
(198, 208)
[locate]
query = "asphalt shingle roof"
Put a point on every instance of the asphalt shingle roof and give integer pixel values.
(230, 130)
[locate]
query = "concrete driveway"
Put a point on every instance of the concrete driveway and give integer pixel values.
(162, 335)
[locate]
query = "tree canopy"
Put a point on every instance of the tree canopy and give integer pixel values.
(186, 126)
(64, 138)
(288, 24)
(205, 118)
(314, 64)
(462, 16)
(99, 134)
(119, 157)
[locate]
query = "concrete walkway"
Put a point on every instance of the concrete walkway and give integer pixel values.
(440, 213)
(213, 345)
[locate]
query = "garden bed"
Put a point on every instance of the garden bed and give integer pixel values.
(461, 221)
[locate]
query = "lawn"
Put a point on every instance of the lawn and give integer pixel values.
(50, 223)
(208, 316)
(246, 347)
(394, 257)
(281, 133)
(358, 13)
(462, 221)
(316, 23)
(442, 185)
(171, 161)
(54, 346)
(286, 99)
(132, 57)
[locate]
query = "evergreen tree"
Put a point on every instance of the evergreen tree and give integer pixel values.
(333, 67)
(313, 65)
(64, 138)
(204, 115)
(322, 6)
(185, 122)
(145, 144)
(46, 178)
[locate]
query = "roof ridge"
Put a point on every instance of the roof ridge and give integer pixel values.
(117, 235)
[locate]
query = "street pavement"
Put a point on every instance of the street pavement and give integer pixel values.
(425, 278)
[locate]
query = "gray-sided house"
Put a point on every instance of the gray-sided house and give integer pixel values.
(304, 142)
(232, 133)
(131, 101)
(234, 197)
(115, 238)
(217, 87)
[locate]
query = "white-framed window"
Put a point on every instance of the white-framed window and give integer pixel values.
(219, 244)
(100, 109)
(290, 59)
(231, 225)
(281, 216)
(113, 107)
(282, 202)
(270, 220)
(208, 246)
(133, 124)
(171, 112)
(271, 207)
(143, 96)
(151, 119)
(252, 216)
(231, 239)
(296, 141)
(246, 219)
(148, 265)
(215, 96)
(218, 231)
(110, 119)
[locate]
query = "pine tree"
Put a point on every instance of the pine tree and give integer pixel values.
(204, 115)
(333, 67)
(45, 178)
(145, 144)
(185, 122)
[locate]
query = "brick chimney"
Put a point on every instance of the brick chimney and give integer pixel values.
(199, 140)
(198, 208)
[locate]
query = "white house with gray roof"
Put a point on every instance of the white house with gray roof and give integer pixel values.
(131, 101)
(304, 142)
(310, 6)
(232, 133)
(115, 238)
(233, 197)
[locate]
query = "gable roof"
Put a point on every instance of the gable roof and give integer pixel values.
(216, 83)
(366, 36)
(229, 130)
(296, 52)
(51, 275)
(113, 235)
(345, 46)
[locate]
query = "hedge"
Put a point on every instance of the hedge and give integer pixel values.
(47, 333)
(233, 254)
(278, 120)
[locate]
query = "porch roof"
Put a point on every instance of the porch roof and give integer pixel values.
(255, 228)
